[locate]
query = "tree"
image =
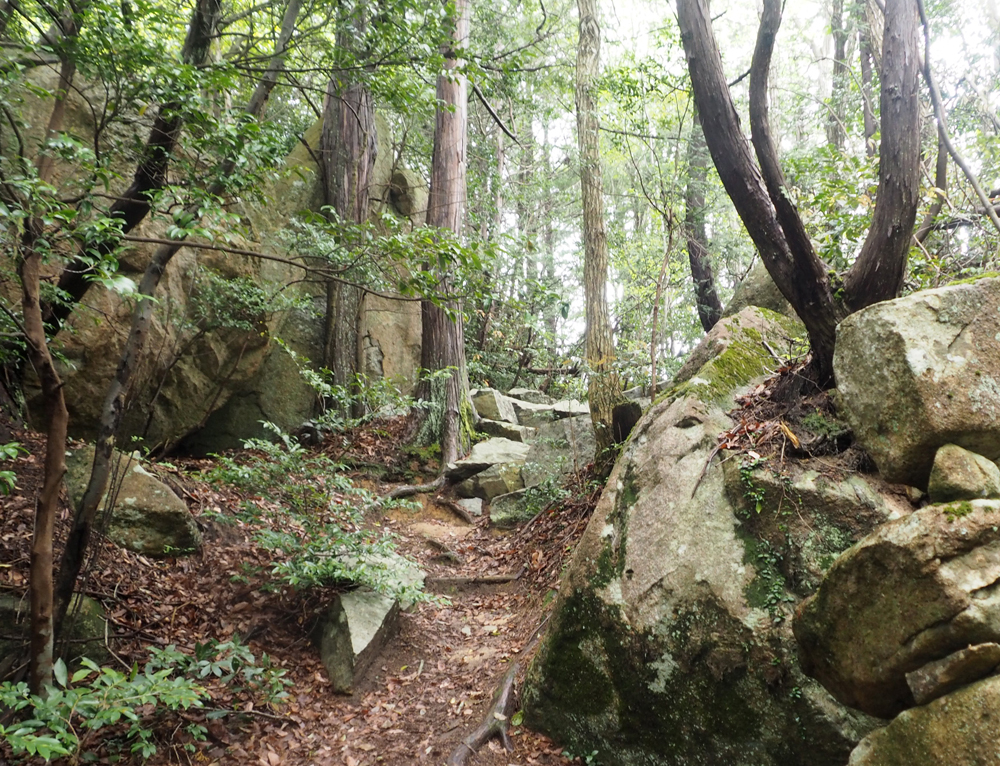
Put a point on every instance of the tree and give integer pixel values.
(761, 196)
(442, 335)
(348, 148)
(604, 388)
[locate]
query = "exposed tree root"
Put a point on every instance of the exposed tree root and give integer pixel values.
(408, 490)
(496, 723)
(497, 720)
(484, 580)
(455, 508)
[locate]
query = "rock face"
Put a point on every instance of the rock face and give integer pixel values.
(960, 728)
(934, 357)
(958, 474)
(493, 405)
(942, 677)
(914, 591)
(669, 643)
(147, 517)
(495, 451)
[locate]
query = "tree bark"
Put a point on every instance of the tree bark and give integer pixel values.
(114, 403)
(442, 331)
(348, 147)
(604, 389)
(835, 128)
(706, 298)
(877, 274)
(865, 48)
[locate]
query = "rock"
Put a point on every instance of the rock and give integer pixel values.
(473, 505)
(959, 728)
(147, 517)
(530, 395)
(531, 414)
(958, 474)
(669, 642)
(936, 679)
(758, 289)
(495, 480)
(815, 517)
(85, 627)
(731, 353)
(569, 408)
(916, 590)
(504, 430)
(561, 447)
(354, 630)
(485, 454)
(492, 405)
(934, 358)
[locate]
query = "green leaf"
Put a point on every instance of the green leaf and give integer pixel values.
(59, 672)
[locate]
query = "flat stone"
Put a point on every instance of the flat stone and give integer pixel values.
(531, 414)
(959, 729)
(356, 627)
(958, 474)
(473, 505)
(493, 405)
(487, 453)
(530, 395)
(504, 430)
(569, 408)
(965, 666)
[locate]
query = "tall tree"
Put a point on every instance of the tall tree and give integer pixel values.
(442, 333)
(761, 196)
(348, 147)
(706, 297)
(604, 389)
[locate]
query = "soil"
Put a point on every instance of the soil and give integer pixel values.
(428, 690)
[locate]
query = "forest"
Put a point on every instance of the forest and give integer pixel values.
(307, 306)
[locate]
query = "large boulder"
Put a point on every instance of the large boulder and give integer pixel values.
(960, 728)
(934, 359)
(958, 474)
(914, 591)
(147, 516)
(85, 629)
(493, 405)
(663, 647)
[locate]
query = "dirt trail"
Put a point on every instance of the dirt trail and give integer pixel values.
(432, 685)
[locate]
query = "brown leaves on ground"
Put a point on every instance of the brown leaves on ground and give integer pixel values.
(429, 688)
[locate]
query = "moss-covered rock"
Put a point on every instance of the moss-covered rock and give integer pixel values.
(656, 654)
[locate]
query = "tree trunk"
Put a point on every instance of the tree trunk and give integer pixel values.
(836, 132)
(114, 403)
(878, 273)
(706, 297)
(865, 48)
(442, 333)
(604, 389)
(348, 147)
(760, 194)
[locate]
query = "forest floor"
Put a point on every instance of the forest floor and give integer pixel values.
(428, 690)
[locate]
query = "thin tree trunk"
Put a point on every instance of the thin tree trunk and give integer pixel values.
(442, 331)
(114, 403)
(941, 186)
(877, 274)
(41, 587)
(706, 298)
(835, 130)
(867, 103)
(604, 389)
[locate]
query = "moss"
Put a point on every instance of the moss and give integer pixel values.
(957, 510)
(971, 280)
